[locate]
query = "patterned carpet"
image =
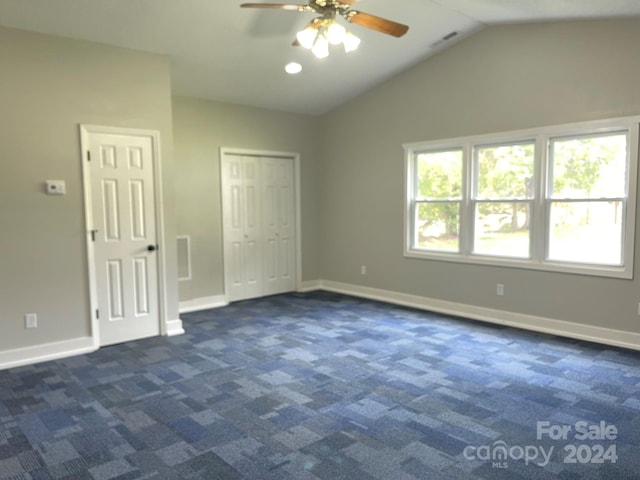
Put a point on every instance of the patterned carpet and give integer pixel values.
(323, 386)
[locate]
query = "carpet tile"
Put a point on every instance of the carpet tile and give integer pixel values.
(320, 386)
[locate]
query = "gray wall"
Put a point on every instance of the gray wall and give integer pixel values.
(201, 128)
(503, 78)
(48, 86)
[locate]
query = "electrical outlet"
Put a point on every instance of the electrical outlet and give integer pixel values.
(31, 320)
(500, 289)
(363, 270)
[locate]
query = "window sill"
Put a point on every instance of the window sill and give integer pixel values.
(525, 264)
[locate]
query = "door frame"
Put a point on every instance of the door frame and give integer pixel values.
(295, 157)
(86, 131)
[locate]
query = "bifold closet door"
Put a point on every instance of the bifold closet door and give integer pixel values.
(258, 195)
(241, 191)
(278, 224)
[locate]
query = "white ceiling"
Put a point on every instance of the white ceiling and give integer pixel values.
(221, 52)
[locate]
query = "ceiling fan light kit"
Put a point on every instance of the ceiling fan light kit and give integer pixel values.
(324, 31)
(320, 33)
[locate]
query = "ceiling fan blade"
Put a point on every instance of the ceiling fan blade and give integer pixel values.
(376, 23)
(279, 6)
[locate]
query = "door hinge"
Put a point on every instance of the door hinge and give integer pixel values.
(93, 235)
(97, 314)
(88, 155)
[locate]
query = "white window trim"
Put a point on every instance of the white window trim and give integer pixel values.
(541, 136)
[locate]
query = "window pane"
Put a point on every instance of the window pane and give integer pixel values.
(586, 232)
(437, 226)
(439, 175)
(505, 171)
(502, 229)
(589, 167)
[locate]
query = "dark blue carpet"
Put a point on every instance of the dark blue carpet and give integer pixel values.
(323, 386)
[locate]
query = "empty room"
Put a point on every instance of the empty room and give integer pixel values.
(334, 239)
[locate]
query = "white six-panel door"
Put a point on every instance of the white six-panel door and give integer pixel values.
(242, 243)
(278, 224)
(258, 225)
(124, 236)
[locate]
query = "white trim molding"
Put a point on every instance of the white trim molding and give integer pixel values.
(203, 303)
(45, 352)
(562, 328)
(309, 286)
(173, 328)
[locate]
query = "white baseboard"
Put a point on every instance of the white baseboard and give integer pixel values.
(607, 336)
(203, 303)
(52, 351)
(309, 286)
(174, 327)
(46, 352)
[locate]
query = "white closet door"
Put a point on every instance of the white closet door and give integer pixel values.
(278, 215)
(252, 227)
(242, 232)
(258, 203)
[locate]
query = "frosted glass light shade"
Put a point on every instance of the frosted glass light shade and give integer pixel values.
(350, 42)
(307, 37)
(336, 33)
(321, 47)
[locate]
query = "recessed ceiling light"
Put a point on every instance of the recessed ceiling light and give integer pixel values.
(293, 68)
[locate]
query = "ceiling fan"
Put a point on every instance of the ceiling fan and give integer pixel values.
(324, 30)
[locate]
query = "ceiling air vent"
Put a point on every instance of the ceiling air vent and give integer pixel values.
(447, 37)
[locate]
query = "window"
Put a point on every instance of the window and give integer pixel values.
(502, 199)
(587, 197)
(558, 198)
(438, 199)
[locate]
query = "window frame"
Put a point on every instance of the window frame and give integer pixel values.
(541, 202)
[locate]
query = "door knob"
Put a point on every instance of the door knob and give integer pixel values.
(152, 248)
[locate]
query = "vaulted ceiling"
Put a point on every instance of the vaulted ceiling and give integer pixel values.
(221, 52)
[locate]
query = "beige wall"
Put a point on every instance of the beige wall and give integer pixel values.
(48, 86)
(503, 78)
(201, 128)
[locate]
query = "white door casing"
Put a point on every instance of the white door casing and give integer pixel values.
(120, 197)
(260, 223)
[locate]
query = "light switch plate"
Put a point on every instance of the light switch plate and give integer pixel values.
(56, 187)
